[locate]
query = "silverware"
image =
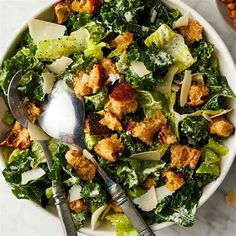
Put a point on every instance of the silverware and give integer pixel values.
(19, 111)
(63, 119)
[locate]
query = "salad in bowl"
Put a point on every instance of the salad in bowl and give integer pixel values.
(156, 110)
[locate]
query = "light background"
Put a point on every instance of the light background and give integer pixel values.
(20, 217)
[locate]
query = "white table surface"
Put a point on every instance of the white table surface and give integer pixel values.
(20, 217)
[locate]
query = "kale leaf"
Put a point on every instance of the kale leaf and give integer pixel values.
(194, 130)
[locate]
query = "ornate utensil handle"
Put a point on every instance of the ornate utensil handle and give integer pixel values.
(129, 209)
(63, 210)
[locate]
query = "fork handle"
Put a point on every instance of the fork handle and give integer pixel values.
(63, 210)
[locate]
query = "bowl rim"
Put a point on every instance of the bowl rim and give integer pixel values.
(209, 30)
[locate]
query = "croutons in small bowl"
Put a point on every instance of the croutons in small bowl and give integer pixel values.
(227, 68)
(227, 11)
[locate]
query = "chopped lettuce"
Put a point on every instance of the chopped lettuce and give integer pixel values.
(90, 140)
(95, 50)
(172, 43)
(79, 219)
(38, 152)
(8, 118)
(122, 224)
(217, 148)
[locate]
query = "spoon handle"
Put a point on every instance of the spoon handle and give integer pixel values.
(129, 209)
(59, 196)
(118, 194)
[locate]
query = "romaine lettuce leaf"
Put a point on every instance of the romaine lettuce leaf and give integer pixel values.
(122, 224)
(164, 37)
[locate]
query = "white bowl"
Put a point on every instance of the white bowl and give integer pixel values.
(227, 67)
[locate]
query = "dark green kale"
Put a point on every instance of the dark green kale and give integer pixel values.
(34, 189)
(79, 219)
(194, 131)
(132, 145)
(31, 86)
(93, 194)
(155, 60)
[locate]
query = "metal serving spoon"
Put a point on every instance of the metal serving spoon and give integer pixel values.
(63, 119)
(19, 111)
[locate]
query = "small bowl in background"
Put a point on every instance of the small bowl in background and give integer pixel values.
(224, 13)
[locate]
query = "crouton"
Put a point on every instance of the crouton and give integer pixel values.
(78, 206)
(93, 125)
(115, 207)
(81, 165)
(109, 148)
(96, 78)
(183, 156)
(123, 41)
(111, 121)
(62, 11)
(166, 136)
(197, 93)
(173, 180)
(192, 32)
(81, 86)
(86, 6)
(221, 127)
(149, 182)
(146, 129)
(17, 137)
(32, 110)
(122, 100)
(108, 66)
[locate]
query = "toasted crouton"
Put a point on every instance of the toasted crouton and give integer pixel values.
(86, 6)
(146, 129)
(166, 136)
(197, 93)
(78, 206)
(221, 127)
(123, 41)
(93, 125)
(109, 148)
(122, 100)
(111, 121)
(62, 11)
(115, 207)
(192, 32)
(183, 156)
(95, 78)
(81, 86)
(108, 66)
(81, 165)
(149, 182)
(17, 137)
(173, 180)
(33, 111)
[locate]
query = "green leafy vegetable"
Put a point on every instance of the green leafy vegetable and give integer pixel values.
(194, 130)
(122, 224)
(90, 140)
(79, 219)
(8, 118)
(31, 86)
(216, 147)
(38, 152)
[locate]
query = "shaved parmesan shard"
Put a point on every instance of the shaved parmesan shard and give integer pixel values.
(96, 215)
(74, 193)
(36, 133)
(148, 156)
(42, 30)
(32, 175)
(48, 82)
(138, 68)
(128, 16)
(59, 66)
(185, 87)
(182, 21)
(162, 192)
(153, 15)
(113, 78)
(230, 198)
(147, 201)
